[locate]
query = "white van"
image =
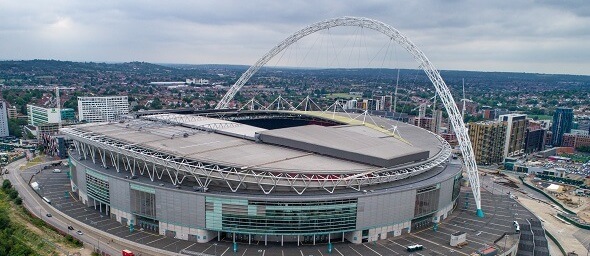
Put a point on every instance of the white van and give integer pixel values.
(56, 170)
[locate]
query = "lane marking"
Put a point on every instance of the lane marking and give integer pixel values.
(355, 250)
(372, 250)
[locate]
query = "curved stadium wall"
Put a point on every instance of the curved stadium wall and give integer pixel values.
(201, 209)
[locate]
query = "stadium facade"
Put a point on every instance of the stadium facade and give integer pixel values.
(265, 176)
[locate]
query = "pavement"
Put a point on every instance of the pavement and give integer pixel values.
(111, 237)
(569, 236)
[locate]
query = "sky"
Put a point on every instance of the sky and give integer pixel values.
(544, 36)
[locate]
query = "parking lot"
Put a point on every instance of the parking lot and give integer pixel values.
(500, 211)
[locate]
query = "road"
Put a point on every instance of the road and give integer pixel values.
(536, 202)
(39, 208)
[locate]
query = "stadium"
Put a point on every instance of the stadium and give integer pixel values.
(265, 176)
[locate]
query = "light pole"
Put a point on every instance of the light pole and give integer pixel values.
(215, 244)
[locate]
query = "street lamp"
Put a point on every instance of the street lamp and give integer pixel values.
(215, 244)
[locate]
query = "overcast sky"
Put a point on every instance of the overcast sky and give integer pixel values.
(506, 35)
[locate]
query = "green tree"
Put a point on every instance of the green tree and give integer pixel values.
(6, 185)
(584, 149)
(156, 104)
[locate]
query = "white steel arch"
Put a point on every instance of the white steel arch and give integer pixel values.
(432, 73)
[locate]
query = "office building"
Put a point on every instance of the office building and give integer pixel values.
(3, 119)
(102, 109)
(562, 123)
(40, 115)
(516, 125)
(68, 115)
(487, 139)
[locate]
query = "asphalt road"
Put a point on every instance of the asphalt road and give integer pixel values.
(38, 207)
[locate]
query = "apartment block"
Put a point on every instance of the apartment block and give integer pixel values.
(102, 109)
(487, 139)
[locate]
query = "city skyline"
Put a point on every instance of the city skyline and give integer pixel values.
(520, 36)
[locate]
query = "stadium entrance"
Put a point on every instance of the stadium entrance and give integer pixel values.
(148, 224)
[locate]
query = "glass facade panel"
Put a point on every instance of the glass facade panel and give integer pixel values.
(97, 187)
(143, 201)
(281, 218)
(426, 200)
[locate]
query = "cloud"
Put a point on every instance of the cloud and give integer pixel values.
(521, 35)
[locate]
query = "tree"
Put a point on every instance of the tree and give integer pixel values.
(584, 149)
(156, 104)
(15, 127)
(6, 185)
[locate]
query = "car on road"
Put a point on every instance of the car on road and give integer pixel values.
(79, 232)
(70, 228)
(49, 215)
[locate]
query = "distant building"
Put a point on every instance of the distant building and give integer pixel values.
(568, 140)
(470, 107)
(102, 109)
(575, 140)
(3, 120)
(494, 113)
(487, 139)
(386, 103)
(197, 81)
(535, 140)
(367, 104)
(424, 122)
(350, 104)
(12, 113)
(451, 138)
(562, 123)
(40, 115)
(516, 125)
(438, 116)
(68, 115)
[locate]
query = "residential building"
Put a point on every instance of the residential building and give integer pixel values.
(575, 140)
(386, 103)
(516, 125)
(535, 140)
(102, 109)
(424, 122)
(562, 123)
(39, 115)
(12, 113)
(487, 139)
(568, 140)
(3, 120)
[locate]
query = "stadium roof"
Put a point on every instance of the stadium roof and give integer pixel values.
(336, 149)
